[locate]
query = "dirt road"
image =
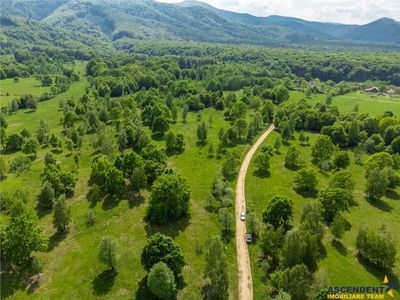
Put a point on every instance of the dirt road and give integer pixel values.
(244, 267)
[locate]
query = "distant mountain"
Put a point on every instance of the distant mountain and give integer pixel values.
(382, 30)
(110, 20)
(33, 9)
(20, 33)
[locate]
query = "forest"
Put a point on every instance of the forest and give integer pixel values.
(119, 164)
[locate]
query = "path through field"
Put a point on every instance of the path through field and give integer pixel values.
(244, 267)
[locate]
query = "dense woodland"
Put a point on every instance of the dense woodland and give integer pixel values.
(141, 108)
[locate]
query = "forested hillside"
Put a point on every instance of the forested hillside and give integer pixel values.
(196, 21)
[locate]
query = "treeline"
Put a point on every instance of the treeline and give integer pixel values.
(325, 65)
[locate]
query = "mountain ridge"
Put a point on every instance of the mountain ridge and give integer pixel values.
(197, 21)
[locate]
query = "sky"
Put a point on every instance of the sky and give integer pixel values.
(337, 11)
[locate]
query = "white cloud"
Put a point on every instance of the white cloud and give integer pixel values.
(339, 11)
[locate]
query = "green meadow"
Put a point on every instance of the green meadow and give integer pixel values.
(346, 103)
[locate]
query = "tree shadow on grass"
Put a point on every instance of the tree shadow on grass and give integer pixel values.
(135, 200)
(110, 202)
(42, 212)
(33, 284)
(171, 230)
(157, 137)
(381, 205)
(56, 239)
(227, 236)
(339, 247)
(391, 194)
(201, 144)
(353, 202)
(211, 208)
(323, 173)
(104, 282)
(13, 280)
(261, 174)
(293, 168)
(347, 225)
(379, 273)
(322, 251)
(143, 292)
(180, 283)
(307, 194)
(56, 151)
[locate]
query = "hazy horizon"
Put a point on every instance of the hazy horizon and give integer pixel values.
(336, 11)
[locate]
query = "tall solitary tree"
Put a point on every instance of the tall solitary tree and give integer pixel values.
(262, 162)
(108, 252)
(62, 214)
(202, 132)
(46, 196)
(227, 220)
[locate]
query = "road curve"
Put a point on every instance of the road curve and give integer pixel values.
(244, 267)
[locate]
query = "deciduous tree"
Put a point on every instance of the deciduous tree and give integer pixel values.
(341, 159)
(377, 182)
(31, 146)
(62, 214)
(226, 218)
(293, 157)
(333, 200)
(108, 251)
(262, 162)
(114, 181)
(162, 248)
(306, 180)
(343, 179)
(22, 236)
(323, 148)
(279, 212)
(296, 282)
(338, 226)
(217, 270)
(161, 281)
(46, 196)
(169, 199)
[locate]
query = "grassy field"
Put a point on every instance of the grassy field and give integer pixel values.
(71, 269)
(340, 262)
(346, 103)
